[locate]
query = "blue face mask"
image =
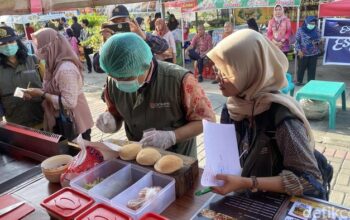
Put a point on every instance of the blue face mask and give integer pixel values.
(310, 26)
(9, 49)
(128, 86)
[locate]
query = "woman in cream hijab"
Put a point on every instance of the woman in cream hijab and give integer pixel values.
(251, 71)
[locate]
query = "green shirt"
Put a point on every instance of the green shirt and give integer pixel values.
(17, 110)
(158, 106)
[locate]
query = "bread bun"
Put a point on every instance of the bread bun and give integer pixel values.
(148, 156)
(168, 164)
(130, 151)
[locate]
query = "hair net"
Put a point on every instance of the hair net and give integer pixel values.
(125, 55)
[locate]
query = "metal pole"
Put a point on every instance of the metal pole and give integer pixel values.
(25, 31)
(233, 19)
(296, 54)
(162, 9)
(182, 40)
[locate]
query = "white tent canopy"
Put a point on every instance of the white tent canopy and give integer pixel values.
(16, 7)
(23, 19)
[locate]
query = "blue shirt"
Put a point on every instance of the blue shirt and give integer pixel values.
(305, 44)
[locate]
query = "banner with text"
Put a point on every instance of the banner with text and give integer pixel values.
(337, 51)
(218, 4)
(185, 5)
(336, 28)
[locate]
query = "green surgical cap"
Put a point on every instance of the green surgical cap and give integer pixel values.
(125, 55)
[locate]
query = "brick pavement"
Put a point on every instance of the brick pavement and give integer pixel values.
(334, 144)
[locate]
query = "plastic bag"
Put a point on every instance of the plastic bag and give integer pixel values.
(314, 110)
(90, 155)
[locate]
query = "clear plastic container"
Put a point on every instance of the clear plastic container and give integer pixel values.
(103, 170)
(117, 183)
(158, 204)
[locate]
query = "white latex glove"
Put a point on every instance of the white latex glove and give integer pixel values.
(161, 139)
(106, 123)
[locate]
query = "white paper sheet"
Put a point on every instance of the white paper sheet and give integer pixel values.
(221, 152)
(19, 92)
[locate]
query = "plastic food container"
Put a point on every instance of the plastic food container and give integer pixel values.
(102, 211)
(101, 171)
(117, 183)
(53, 167)
(157, 204)
(152, 216)
(66, 203)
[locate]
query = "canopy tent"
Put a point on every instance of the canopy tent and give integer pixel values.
(190, 6)
(336, 8)
(202, 5)
(23, 19)
(18, 7)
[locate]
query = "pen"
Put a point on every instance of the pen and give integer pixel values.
(203, 191)
(28, 85)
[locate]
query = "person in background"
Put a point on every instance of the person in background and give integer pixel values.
(18, 69)
(60, 25)
(134, 83)
(274, 138)
(148, 23)
(72, 40)
(157, 44)
(76, 27)
(85, 35)
(228, 30)
(140, 22)
(106, 33)
(152, 24)
(172, 22)
(252, 24)
(52, 24)
(64, 77)
(200, 45)
(29, 31)
(62, 31)
(279, 29)
(186, 32)
(63, 22)
(308, 39)
(163, 31)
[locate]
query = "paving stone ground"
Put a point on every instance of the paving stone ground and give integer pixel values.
(334, 144)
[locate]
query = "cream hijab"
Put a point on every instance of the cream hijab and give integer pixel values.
(256, 67)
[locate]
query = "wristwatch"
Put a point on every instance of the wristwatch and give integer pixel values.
(255, 184)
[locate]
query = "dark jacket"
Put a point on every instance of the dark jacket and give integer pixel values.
(76, 27)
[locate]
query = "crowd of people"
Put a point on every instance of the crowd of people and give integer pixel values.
(144, 84)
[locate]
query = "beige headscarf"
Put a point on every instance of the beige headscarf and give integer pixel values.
(164, 28)
(278, 19)
(257, 68)
(55, 49)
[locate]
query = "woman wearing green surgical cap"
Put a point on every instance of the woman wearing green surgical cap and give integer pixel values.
(161, 104)
(18, 69)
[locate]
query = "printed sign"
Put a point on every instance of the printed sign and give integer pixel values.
(336, 28)
(150, 6)
(337, 51)
(202, 5)
(217, 4)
